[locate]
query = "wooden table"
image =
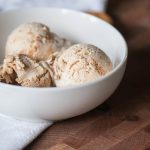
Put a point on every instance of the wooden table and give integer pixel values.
(121, 123)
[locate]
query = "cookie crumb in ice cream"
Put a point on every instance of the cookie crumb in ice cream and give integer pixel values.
(7, 74)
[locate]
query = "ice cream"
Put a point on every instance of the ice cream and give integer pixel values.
(35, 40)
(79, 64)
(28, 72)
(7, 75)
(39, 76)
(36, 57)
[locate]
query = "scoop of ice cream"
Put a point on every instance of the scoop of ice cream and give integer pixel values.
(29, 73)
(34, 40)
(38, 76)
(79, 64)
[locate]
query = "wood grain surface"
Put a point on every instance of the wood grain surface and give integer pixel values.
(123, 121)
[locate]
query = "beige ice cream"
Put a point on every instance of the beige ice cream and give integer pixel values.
(34, 40)
(29, 73)
(39, 76)
(7, 75)
(79, 64)
(36, 57)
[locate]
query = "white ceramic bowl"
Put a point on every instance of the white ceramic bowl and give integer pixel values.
(62, 103)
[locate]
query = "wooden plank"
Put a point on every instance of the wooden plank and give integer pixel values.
(99, 143)
(129, 127)
(61, 147)
(137, 141)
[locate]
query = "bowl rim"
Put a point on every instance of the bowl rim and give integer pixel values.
(76, 86)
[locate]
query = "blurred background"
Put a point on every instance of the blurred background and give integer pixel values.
(71, 4)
